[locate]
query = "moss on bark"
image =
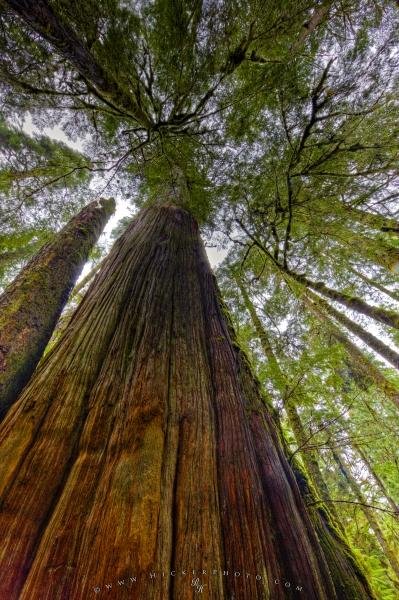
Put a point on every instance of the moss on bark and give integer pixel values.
(32, 303)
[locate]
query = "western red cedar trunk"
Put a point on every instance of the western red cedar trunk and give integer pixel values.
(32, 303)
(142, 445)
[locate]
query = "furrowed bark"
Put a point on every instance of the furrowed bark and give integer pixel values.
(373, 342)
(142, 445)
(31, 304)
(386, 317)
(39, 15)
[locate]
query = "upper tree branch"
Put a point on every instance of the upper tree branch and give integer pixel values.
(39, 15)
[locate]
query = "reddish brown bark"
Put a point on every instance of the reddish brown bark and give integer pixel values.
(32, 303)
(142, 444)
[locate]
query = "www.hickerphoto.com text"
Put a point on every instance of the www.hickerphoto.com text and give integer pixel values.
(198, 578)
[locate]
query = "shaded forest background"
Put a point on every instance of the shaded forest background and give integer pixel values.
(276, 124)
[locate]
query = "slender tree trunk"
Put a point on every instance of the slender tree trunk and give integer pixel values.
(373, 220)
(41, 17)
(361, 364)
(368, 513)
(142, 445)
(86, 280)
(381, 485)
(291, 400)
(387, 317)
(373, 342)
(32, 303)
(378, 286)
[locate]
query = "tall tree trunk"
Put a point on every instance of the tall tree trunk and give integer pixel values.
(360, 362)
(375, 284)
(43, 19)
(387, 317)
(142, 445)
(291, 400)
(373, 342)
(380, 484)
(373, 220)
(368, 513)
(32, 303)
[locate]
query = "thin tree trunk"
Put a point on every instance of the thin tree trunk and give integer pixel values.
(290, 399)
(86, 279)
(361, 364)
(373, 342)
(31, 304)
(42, 18)
(368, 513)
(373, 283)
(387, 317)
(142, 445)
(376, 477)
(376, 221)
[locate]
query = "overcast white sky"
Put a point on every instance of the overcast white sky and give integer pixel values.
(123, 209)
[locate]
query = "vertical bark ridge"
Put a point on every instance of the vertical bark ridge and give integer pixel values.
(263, 465)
